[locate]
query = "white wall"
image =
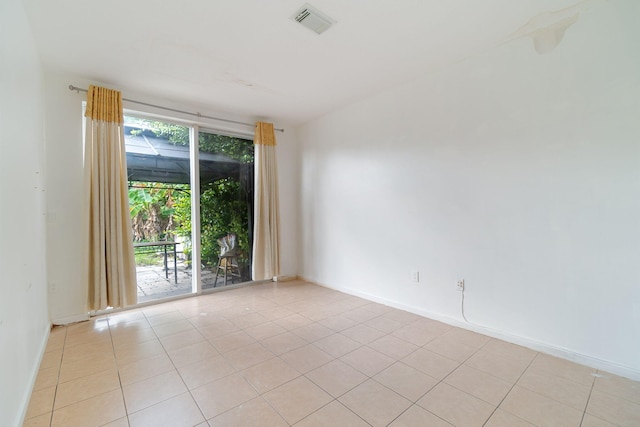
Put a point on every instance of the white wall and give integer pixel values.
(24, 319)
(64, 198)
(516, 171)
(66, 272)
(289, 189)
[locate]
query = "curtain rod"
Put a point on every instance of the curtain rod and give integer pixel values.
(78, 89)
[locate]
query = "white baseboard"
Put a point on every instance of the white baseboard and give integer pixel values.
(71, 319)
(284, 278)
(33, 377)
(582, 359)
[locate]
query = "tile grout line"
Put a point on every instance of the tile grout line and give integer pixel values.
(511, 389)
(275, 356)
(259, 394)
(333, 399)
(307, 306)
(55, 394)
(593, 383)
(444, 378)
(441, 380)
(236, 371)
(395, 361)
(176, 369)
(113, 348)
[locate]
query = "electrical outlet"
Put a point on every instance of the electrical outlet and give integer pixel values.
(415, 276)
(460, 285)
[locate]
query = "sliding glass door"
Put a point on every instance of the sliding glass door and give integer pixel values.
(168, 218)
(226, 208)
(159, 173)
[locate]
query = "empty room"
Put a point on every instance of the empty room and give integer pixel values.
(332, 213)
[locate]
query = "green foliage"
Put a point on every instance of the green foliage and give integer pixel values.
(224, 204)
(151, 208)
(235, 148)
(146, 258)
(177, 134)
(182, 217)
(223, 212)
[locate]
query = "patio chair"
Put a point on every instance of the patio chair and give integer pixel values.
(228, 259)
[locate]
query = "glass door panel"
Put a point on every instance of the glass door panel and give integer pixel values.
(158, 166)
(226, 208)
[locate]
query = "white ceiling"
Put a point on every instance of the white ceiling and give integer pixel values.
(248, 57)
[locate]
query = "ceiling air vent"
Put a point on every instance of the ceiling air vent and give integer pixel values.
(313, 19)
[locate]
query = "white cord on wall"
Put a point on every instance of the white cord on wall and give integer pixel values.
(462, 307)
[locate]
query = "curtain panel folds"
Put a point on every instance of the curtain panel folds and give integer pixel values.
(266, 237)
(111, 263)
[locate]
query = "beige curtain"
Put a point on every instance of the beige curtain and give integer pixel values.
(266, 230)
(112, 271)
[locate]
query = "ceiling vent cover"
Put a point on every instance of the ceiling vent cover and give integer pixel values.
(313, 19)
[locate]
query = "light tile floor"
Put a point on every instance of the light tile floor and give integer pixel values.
(282, 354)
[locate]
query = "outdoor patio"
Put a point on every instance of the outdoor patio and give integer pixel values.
(153, 284)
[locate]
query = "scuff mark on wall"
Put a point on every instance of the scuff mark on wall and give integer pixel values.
(547, 29)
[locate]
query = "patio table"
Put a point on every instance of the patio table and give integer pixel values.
(164, 245)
